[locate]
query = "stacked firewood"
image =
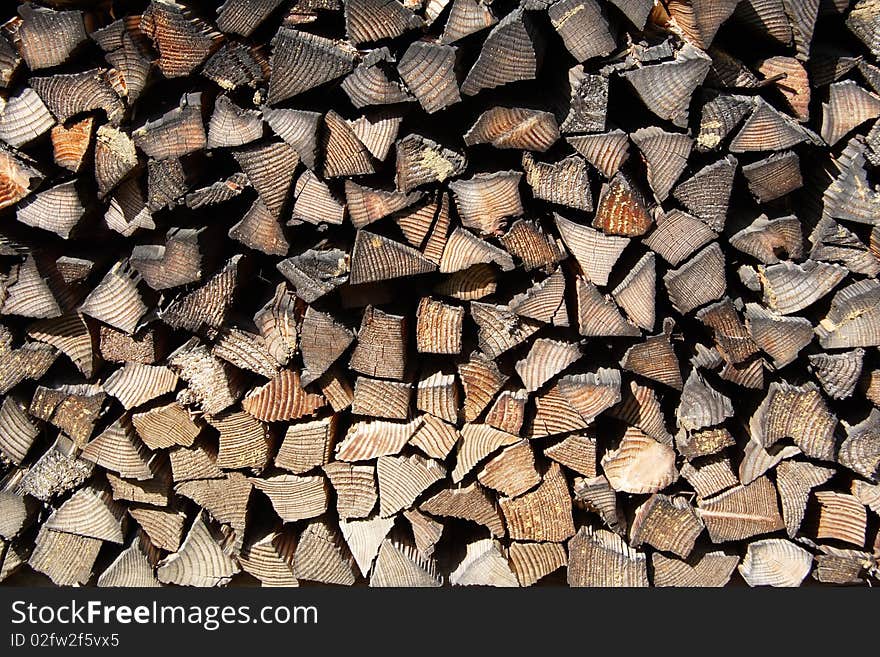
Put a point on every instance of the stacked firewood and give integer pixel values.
(428, 292)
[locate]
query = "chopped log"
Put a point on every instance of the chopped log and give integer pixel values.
(741, 512)
(639, 464)
(355, 487)
(598, 315)
(381, 345)
(131, 568)
(401, 565)
(420, 160)
(654, 359)
(677, 235)
(478, 441)
(799, 413)
(767, 129)
(698, 281)
(512, 471)
(402, 479)
(621, 209)
(372, 83)
(56, 472)
(607, 152)
(67, 559)
(595, 252)
(669, 524)
(842, 517)
(838, 374)
(709, 476)
(67, 95)
(427, 69)
(546, 359)
(514, 127)
(183, 42)
(119, 450)
(364, 538)
(377, 258)
(484, 564)
(510, 53)
(47, 38)
(270, 559)
(533, 561)
(437, 394)
(321, 556)
(24, 118)
(370, 439)
(200, 561)
(583, 28)
(666, 155)
(470, 502)
(600, 558)
(775, 562)
(72, 408)
(707, 193)
(576, 452)
(666, 88)
(588, 106)
(238, 17)
(566, 182)
(713, 569)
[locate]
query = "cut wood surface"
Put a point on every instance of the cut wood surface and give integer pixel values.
(440, 292)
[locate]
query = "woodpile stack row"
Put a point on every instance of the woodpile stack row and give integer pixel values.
(440, 292)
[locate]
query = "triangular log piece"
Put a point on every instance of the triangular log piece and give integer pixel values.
(774, 177)
(666, 155)
(374, 257)
(605, 151)
(402, 479)
(201, 560)
(355, 487)
(369, 439)
(698, 281)
(621, 209)
(595, 252)
(512, 52)
(666, 88)
(182, 40)
(364, 538)
(402, 565)
(478, 441)
(270, 559)
(321, 556)
(344, 153)
(598, 315)
(373, 83)
(546, 359)
(706, 194)
(428, 70)
(176, 133)
(469, 502)
(544, 301)
(301, 61)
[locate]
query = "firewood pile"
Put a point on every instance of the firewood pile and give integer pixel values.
(440, 292)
